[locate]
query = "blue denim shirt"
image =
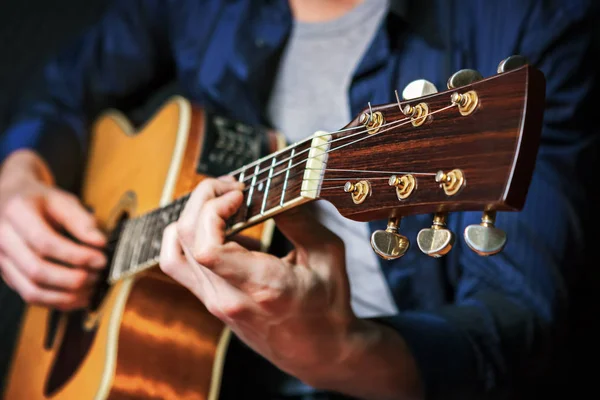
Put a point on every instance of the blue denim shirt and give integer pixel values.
(475, 325)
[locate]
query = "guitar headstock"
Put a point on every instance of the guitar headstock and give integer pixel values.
(469, 148)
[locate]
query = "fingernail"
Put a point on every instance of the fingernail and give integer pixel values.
(96, 235)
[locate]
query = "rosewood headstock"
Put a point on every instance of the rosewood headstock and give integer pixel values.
(471, 147)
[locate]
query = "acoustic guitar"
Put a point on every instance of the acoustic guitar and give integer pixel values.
(471, 147)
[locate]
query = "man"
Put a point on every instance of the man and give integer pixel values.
(330, 313)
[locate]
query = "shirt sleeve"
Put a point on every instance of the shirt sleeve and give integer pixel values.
(508, 308)
(115, 64)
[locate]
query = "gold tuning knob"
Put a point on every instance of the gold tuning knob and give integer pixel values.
(512, 62)
(359, 190)
(437, 240)
(485, 239)
(451, 182)
(389, 244)
(404, 185)
(463, 77)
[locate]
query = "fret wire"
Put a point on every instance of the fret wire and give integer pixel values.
(144, 238)
(127, 248)
(135, 253)
(164, 218)
(251, 192)
(264, 202)
(152, 233)
(130, 246)
(287, 175)
(308, 139)
(156, 242)
(152, 240)
(388, 127)
(120, 253)
(163, 221)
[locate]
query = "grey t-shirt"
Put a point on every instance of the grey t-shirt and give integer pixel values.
(310, 94)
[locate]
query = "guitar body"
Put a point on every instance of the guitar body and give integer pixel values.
(148, 337)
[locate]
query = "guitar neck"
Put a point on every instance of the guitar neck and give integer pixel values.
(281, 181)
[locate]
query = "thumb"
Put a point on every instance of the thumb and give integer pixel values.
(69, 213)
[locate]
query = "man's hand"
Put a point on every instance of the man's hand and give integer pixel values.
(295, 311)
(42, 265)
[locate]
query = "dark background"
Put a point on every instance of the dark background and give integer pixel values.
(33, 30)
(30, 32)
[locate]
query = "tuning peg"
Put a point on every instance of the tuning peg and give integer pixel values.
(418, 88)
(463, 77)
(485, 239)
(389, 244)
(437, 240)
(512, 62)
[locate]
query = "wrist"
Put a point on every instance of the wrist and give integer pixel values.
(357, 337)
(25, 165)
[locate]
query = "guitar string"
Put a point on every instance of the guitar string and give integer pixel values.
(308, 139)
(340, 147)
(387, 126)
(293, 146)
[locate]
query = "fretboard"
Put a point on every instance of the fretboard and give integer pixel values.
(272, 185)
(140, 240)
(280, 181)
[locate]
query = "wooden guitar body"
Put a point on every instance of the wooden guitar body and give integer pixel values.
(149, 338)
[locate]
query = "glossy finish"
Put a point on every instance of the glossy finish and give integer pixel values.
(463, 77)
(389, 244)
(167, 343)
(438, 240)
(512, 62)
(418, 88)
(485, 239)
(153, 338)
(495, 147)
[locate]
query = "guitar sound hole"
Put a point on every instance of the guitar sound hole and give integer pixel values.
(52, 328)
(78, 338)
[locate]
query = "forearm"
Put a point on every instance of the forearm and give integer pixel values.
(376, 364)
